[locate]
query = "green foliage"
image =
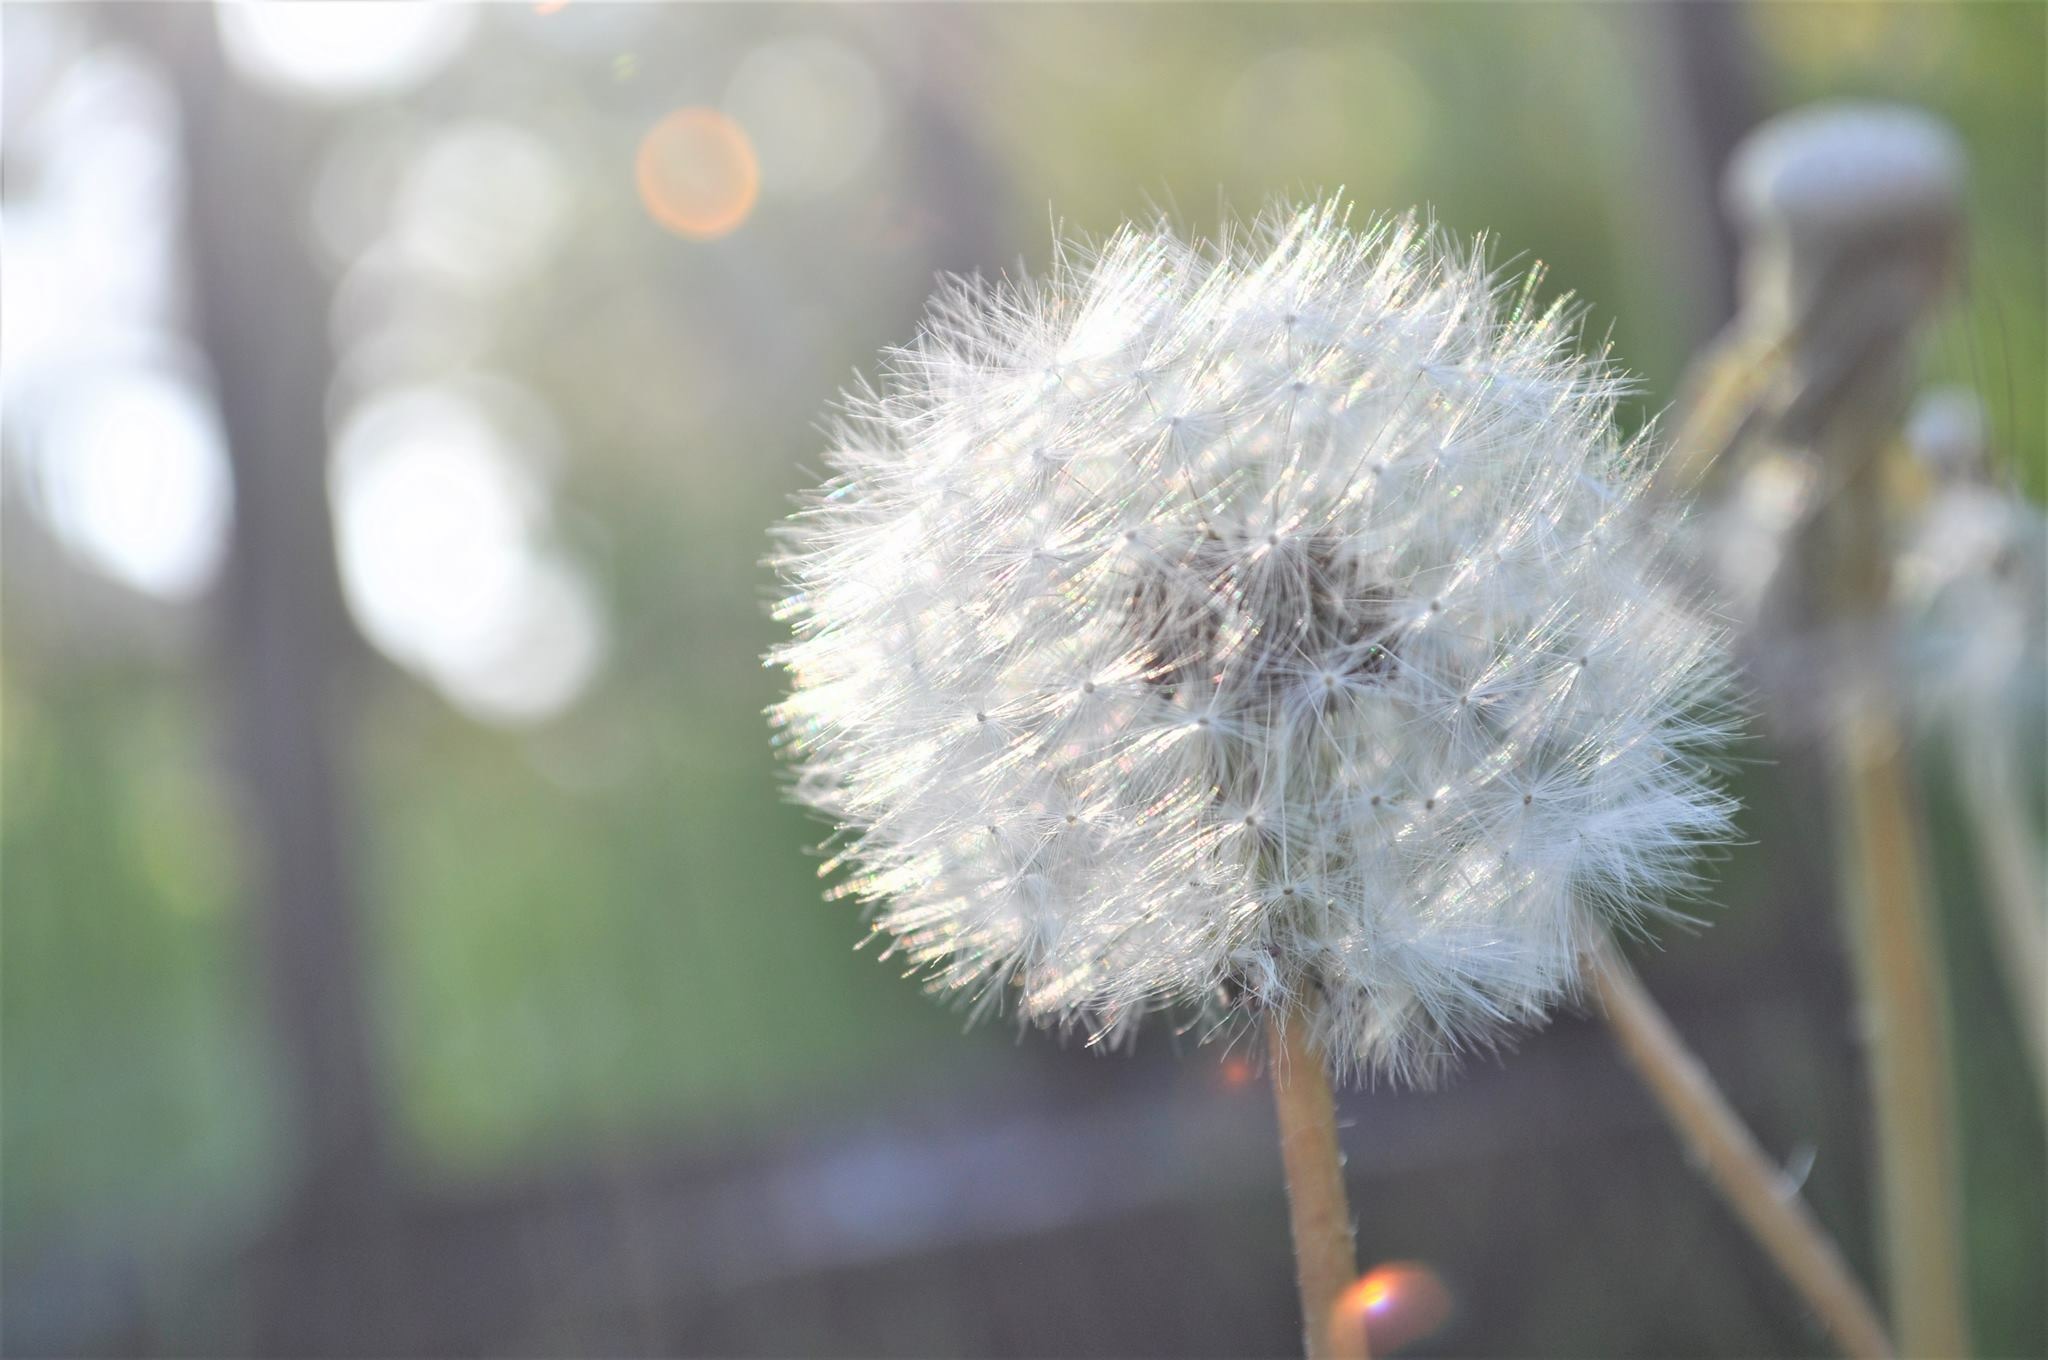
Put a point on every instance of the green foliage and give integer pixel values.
(130, 1031)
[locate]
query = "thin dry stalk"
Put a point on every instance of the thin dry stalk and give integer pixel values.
(2011, 883)
(1755, 1189)
(1899, 959)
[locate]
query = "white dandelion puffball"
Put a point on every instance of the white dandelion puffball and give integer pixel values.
(1973, 590)
(1277, 622)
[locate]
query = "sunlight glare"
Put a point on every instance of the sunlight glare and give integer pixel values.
(445, 562)
(342, 49)
(131, 472)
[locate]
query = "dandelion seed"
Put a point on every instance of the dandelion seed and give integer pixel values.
(1390, 576)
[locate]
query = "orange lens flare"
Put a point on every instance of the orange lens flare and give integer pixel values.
(1387, 1308)
(697, 173)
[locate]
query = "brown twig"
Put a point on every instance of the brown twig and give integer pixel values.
(2010, 882)
(1755, 1189)
(1899, 959)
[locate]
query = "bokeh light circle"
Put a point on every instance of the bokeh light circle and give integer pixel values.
(697, 173)
(448, 561)
(131, 473)
(814, 110)
(1388, 1307)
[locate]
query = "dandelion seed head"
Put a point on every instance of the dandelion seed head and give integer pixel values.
(1971, 581)
(1320, 619)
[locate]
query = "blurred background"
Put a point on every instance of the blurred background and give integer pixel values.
(406, 948)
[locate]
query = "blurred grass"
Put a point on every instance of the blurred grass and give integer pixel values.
(136, 1084)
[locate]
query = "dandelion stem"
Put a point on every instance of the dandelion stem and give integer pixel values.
(1325, 1248)
(2010, 882)
(1758, 1191)
(1899, 957)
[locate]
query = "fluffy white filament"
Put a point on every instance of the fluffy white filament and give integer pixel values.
(1275, 622)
